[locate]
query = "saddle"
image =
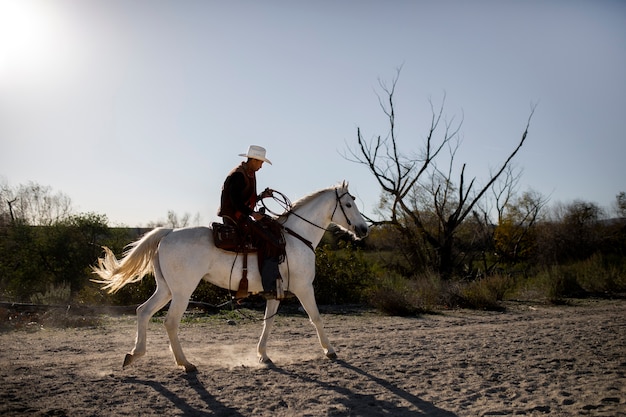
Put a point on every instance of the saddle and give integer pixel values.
(228, 237)
(266, 238)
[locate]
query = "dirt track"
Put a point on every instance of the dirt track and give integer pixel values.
(531, 360)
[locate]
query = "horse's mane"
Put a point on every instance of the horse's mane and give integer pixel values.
(304, 200)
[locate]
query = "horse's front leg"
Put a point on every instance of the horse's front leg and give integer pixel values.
(270, 312)
(307, 299)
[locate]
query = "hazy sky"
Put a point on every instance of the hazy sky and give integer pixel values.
(134, 108)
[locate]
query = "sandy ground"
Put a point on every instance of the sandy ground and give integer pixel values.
(531, 360)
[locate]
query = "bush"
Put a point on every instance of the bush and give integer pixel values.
(485, 293)
(598, 277)
(395, 295)
(211, 294)
(593, 276)
(55, 294)
(136, 293)
(553, 284)
(341, 275)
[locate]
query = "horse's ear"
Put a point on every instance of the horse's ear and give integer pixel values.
(344, 185)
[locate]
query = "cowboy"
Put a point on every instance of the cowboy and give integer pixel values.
(238, 201)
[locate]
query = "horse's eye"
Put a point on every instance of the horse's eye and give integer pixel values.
(349, 205)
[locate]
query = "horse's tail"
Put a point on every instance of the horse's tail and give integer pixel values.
(134, 265)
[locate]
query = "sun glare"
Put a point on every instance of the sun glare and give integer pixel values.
(33, 38)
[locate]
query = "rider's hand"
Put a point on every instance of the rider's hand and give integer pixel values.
(268, 192)
(257, 216)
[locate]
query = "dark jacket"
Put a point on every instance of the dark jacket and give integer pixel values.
(239, 194)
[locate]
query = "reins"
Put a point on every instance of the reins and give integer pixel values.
(286, 203)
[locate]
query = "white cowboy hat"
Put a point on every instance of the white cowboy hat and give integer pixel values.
(256, 152)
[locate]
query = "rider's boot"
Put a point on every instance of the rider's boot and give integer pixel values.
(269, 274)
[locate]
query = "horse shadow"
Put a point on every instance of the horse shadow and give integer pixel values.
(358, 403)
(368, 404)
(215, 407)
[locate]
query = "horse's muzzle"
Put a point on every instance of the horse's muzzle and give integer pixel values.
(361, 230)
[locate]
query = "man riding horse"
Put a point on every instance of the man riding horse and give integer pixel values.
(238, 201)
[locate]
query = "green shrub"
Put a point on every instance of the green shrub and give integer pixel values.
(341, 275)
(136, 293)
(396, 295)
(485, 293)
(211, 294)
(553, 284)
(593, 276)
(54, 294)
(596, 276)
(93, 294)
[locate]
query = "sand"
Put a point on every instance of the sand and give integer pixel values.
(531, 360)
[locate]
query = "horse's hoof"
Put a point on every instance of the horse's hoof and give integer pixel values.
(332, 356)
(190, 368)
(128, 359)
(266, 361)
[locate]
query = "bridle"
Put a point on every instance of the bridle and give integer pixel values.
(338, 203)
(288, 211)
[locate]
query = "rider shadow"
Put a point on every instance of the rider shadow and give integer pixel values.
(353, 399)
(216, 408)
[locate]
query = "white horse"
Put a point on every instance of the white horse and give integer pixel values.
(180, 258)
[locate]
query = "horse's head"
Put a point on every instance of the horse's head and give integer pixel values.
(346, 214)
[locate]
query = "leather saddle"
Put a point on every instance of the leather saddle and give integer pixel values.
(229, 238)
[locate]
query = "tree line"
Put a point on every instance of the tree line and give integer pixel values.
(47, 252)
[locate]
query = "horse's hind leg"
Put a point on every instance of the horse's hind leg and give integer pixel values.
(307, 299)
(172, 322)
(270, 311)
(157, 301)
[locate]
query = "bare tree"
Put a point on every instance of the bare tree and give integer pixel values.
(509, 223)
(33, 204)
(423, 202)
(619, 206)
(173, 220)
(514, 234)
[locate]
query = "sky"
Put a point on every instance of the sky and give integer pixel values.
(137, 108)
